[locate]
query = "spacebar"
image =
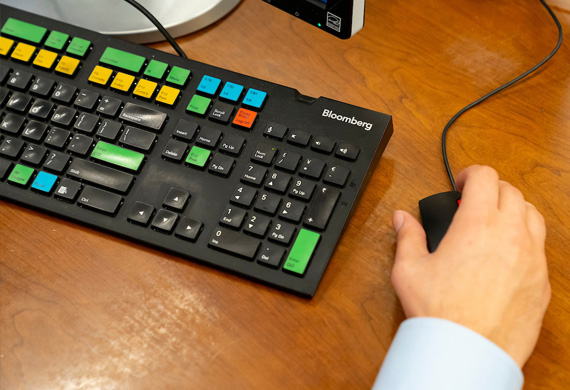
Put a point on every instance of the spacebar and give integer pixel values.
(98, 174)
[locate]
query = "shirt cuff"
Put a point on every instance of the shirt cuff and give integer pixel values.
(433, 353)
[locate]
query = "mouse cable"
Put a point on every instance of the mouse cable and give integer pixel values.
(160, 27)
(462, 111)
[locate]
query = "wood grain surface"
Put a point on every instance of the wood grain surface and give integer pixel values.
(80, 309)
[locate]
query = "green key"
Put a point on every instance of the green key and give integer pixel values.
(23, 30)
(116, 155)
(178, 76)
(56, 40)
(155, 69)
(302, 250)
(21, 175)
(122, 59)
(198, 104)
(78, 47)
(198, 156)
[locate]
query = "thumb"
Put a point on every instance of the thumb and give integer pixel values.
(412, 243)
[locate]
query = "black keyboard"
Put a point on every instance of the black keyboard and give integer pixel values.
(235, 172)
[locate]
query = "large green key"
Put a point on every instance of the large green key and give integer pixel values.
(23, 30)
(122, 59)
(21, 175)
(302, 250)
(116, 155)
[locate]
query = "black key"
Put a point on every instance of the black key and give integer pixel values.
(143, 116)
(268, 203)
(108, 129)
(243, 196)
(64, 93)
(312, 167)
(299, 138)
(322, 207)
(56, 162)
(174, 150)
(137, 138)
(18, 102)
(208, 137)
(34, 154)
(254, 174)
(4, 72)
(90, 172)
(11, 147)
(80, 144)
(68, 190)
(5, 166)
(12, 123)
(164, 220)
(263, 154)
(275, 130)
(288, 161)
(42, 86)
(347, 151)
(99, 200)
(19, 79)
(109, 106)
(292, 211)
(188, 229)
(232, 144)
(86, 123)
(234, 242)
(41, 109)
(233, 217)
(270, 255)
(185, 130)
(34, 131)
(278, 182)
(221, 165)
(257, 225)
(140, 213)
(282, 233)
(176, 199)
(86, 99)
(57, 138)
(323, 144)
(302, 189)
(337, 175)
(63, 116)
(221, 112)
(4, 94)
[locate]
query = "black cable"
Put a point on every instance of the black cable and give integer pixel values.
(476, 102)
(162, 30)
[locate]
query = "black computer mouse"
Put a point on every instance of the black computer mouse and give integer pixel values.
(437, 212)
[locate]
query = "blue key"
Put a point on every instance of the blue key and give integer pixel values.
(44, 182)
(209, 85)
(231, 91)
(254, 98)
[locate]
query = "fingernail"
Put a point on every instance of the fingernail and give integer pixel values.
(398, 220)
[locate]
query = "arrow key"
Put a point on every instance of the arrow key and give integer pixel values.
(257, 225)
(243, 196)
(164, 221)
(188, 229)
(140, 213)
(176, 198)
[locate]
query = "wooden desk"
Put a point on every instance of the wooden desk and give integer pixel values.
(81, 309)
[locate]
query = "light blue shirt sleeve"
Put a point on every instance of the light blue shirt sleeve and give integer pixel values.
(436, 354)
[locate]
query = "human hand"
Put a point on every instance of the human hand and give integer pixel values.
(489, 272)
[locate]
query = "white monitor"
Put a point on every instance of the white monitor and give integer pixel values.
(117, 17)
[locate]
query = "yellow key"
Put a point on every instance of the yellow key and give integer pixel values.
(5, 45)
(123, 82)
(45, 59)
(100, 75)
(67, 65)
(23, 52)
(167, 95)
(145, 88)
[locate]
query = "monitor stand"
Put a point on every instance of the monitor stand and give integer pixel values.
(116, 17)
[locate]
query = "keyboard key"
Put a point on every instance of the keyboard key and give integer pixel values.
(254, 98)
(263, 154)
(23, 52)
(18, 102)
(140, 213)
(44, 182)
(270, 255)
(275, 130)
(178, 76)
(232, 144)
(267, 203)
(234, 242)
(122, 59)
(288, 161)
(243, 196)
(5, 46)
(86, 123)
(78, 47)
(176, 199)
(282, 233)
(208, 137)
(21, 175)
(155, 69)
(67, 66)
(117, 156)
(292, 211)
(99, 200)
(4, 72)
(188, 229)
(100, 75)
(231, 92)
(209, 85)
(164, 221)
(198, 105)
(254, 174)
(323, 144)
(221, 165)
(257, 225)
(56, 40)
(299, 138)
(221, 112)
(42, 86)
(302, 251)
(278, 182)
(233, 217)
(336, 175)
(185, 130)
(11, 147)
(63, 116)
(109, 129)
(20, 80)
(245, 118)
(57, 138)
(347, 151)
(45, 59)
(168, 95)
(198, 157)
(26, 31)
(92, 173)
(34, 155)
(64, 93)
(5, 166)
(174, 150)
(122, 82)
(322, 207)
(12, 124)
(56, 162)
(4, 94)
(145, 89)
(302, 189)
(109, 106)
(34, 131)
(86, 99)
(80, 144)
(68, 190)
(41, 109)
(143, 116)
(137, 138)
(312, 167)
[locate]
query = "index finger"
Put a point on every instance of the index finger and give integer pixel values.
(479, 186)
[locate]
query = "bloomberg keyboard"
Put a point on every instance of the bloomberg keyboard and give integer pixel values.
(224, 169)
